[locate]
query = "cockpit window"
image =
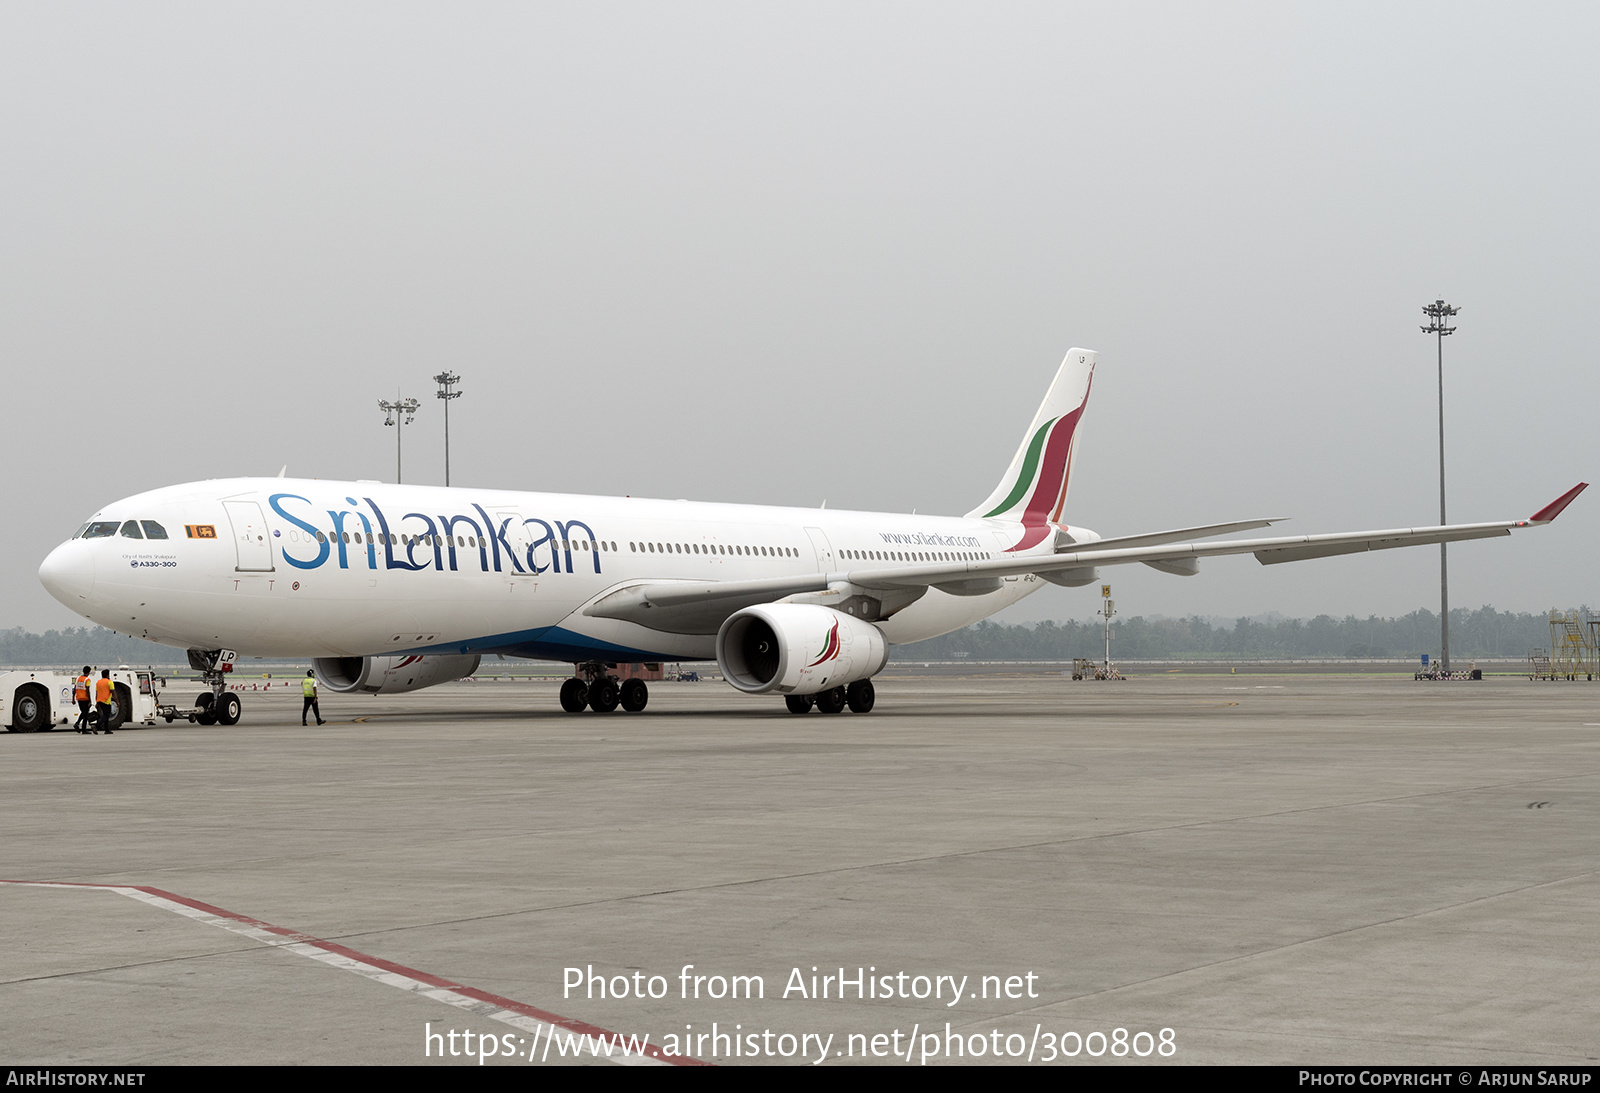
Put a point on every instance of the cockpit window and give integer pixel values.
(101, 529)
(130, 530)
(79, 533)
(153, 530)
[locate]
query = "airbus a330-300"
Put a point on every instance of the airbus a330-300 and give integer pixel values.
(390, 588)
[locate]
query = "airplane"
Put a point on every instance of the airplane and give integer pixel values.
(391, 588)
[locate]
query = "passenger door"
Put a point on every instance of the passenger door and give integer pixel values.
(824, 549)
(249, 537)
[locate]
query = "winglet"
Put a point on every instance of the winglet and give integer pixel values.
(1553, 509)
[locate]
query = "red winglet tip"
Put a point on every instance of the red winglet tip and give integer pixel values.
(1553, 509)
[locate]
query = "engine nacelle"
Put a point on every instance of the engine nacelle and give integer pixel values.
(390, 675)
(797, 648)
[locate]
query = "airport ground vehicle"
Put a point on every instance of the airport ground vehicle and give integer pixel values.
(38, 701)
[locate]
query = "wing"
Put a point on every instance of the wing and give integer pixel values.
(701, 606)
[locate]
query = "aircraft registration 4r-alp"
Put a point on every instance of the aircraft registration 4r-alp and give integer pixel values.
(390, 588)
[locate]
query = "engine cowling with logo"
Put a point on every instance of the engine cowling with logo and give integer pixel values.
(390, 675)
(797, 648)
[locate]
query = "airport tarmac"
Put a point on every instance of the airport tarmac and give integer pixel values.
(1277, 869)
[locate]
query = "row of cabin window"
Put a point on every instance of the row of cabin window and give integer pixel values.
(915, 555)
(149, 529)
(131, 529)
(712, 548)
(790, 552)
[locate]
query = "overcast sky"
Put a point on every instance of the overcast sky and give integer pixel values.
(788, 253)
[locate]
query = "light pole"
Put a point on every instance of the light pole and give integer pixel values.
(1109, 608)
(1437, 312)
(446, 380)
(399, 414)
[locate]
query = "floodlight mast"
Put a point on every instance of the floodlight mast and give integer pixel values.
(447, 380)
(1437, 312)
(399, 414)
(1108, 608)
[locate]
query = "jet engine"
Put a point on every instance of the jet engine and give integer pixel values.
(797, 648)
(390, 675)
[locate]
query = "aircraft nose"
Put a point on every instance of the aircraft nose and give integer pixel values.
(68, 573)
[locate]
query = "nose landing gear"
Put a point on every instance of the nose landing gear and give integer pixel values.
(211, 707)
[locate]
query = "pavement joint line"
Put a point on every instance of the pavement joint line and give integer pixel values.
(623, 898)
(507, 1011)
(105, 968)
(1242, 957)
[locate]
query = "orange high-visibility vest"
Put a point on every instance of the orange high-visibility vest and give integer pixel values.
(80, 690)
(102, 691)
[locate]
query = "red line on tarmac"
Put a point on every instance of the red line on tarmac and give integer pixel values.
(568, 1023)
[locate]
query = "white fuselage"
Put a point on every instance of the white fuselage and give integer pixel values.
(308, 568)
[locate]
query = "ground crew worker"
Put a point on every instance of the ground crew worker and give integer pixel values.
(102, 696)
(308, 688)
(80, 692)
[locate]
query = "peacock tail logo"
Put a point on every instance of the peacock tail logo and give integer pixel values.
(1046, 469)
(830, 647)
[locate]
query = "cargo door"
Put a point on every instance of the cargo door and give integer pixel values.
(249, 537)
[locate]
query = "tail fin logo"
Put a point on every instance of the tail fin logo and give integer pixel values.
(1040, 489)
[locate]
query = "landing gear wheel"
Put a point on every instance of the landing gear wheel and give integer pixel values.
(861, 696)
(604, 695)
(574, 695)
(203, 702)
(121, 706)
(32, 711)
(799, 703)
(634, 695)
(227, 709)
(831, 701)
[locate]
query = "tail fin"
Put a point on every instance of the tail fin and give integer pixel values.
(1034, 488)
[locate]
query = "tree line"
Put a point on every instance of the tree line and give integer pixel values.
(83, 645)
(1483, 632)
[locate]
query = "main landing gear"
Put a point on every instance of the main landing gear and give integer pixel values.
(859, 696)
(602, 692)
